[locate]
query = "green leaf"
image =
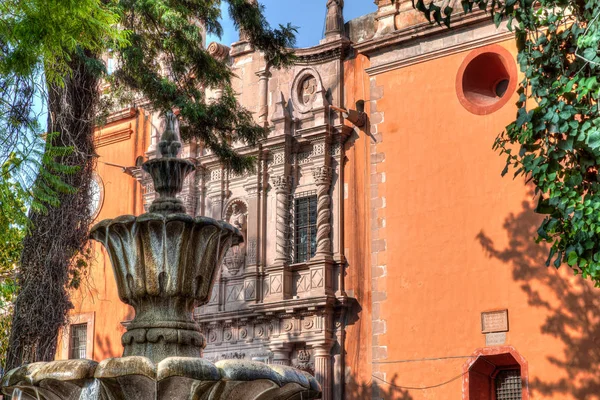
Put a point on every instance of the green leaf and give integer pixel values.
(593, 139)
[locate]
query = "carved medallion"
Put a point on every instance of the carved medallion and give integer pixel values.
(228, 335)
(308, 323)
(243, 333)
(308, 88)
(288, 325)
(212, 337)
(260, 331)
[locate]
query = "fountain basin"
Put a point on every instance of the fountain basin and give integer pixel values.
(137, 378)
(164, 266)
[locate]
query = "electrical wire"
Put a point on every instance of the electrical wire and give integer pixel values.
(420, 359)
(422, 387)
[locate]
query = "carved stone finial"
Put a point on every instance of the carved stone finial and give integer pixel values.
(168, 172)
(169, 144)
(334, 22)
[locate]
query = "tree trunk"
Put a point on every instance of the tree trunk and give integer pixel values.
(57, 236)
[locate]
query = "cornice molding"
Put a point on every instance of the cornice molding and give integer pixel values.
(418, 32)
(446, 51)
(328, 51)
(105, 137)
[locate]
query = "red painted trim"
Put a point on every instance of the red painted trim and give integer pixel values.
(492, 351)
(508, 60)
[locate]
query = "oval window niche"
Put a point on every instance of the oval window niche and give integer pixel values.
(486, 79)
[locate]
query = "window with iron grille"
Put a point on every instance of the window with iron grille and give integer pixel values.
(305, 228)
(508, 385)
(78, 341)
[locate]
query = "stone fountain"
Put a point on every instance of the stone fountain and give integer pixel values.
(164, 263)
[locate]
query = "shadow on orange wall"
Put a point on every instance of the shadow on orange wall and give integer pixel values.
(373, 389)
(105, 348)
(574, 319)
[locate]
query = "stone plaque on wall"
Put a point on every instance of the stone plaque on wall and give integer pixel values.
(494, 321)
(495, 339)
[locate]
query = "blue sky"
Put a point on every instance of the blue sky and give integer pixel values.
(307, 15)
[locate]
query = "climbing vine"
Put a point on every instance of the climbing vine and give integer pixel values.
(554, 140)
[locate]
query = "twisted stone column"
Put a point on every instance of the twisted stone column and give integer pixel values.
(281, 185)
(322, 178)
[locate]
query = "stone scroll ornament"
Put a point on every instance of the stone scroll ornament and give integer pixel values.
(165, 263)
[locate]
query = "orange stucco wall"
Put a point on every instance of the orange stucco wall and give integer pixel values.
(356, 234)
(458, 241)
(119, 143)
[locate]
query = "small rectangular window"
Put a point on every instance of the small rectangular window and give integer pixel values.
(78, 341)
(508, 385)
(305, 228)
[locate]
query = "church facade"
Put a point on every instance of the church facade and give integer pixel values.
(382, 251)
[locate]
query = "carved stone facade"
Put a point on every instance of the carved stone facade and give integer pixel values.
(267, 304)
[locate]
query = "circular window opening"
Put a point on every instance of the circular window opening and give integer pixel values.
(486, 80)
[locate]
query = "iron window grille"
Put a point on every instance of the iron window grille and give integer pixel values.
(305, 226)
(508, 385)
(78, 339)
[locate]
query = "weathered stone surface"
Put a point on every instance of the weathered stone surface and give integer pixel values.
(137, 378)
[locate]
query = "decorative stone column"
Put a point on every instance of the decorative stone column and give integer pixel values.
(322, 178)
(323, 368)
(252, 187)
(281, 354)
(281, 183)
(263, 94)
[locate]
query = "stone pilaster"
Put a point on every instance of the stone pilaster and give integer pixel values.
(263, 92)
(281, 184)
(215, 203)
(281, 353)
(323, 371)
(280, 118)
(252, 189)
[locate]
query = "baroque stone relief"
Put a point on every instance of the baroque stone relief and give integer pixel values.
(236, 214)
(306, 89)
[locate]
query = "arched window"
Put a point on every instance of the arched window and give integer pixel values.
(496, 373)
